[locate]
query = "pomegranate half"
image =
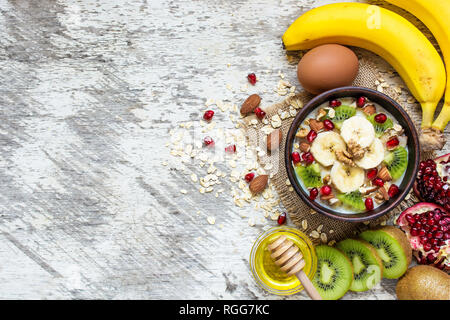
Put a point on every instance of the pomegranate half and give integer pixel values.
(427, 227)
(433, 181)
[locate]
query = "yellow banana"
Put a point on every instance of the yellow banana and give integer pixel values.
(383, 32)
(435, 14)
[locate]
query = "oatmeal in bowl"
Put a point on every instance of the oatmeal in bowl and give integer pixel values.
(352, 154)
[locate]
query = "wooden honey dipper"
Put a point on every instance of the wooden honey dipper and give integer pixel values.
(288, 257)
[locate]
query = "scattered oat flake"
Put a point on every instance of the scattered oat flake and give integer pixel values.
(323, 237)
(183, 191)
(304, 224)
(211, 220)
(314, 234)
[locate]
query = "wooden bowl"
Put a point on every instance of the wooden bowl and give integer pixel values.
(413, 151)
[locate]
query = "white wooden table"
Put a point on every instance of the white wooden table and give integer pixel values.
(89, 91)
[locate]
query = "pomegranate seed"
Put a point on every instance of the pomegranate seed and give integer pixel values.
(447, 236)
(313, 194)
(430, 257)
(335, 103)
(372, 173)
(423, 239)
(328, 124)
(325, 190)
(393, 191)
(251, 78)
(260, 113)
(380, 118)
(249, 176)
(378, 182)
(231, 148)
(430, 222)
(434, 242)
(361, 102)
(208, 141)
(392, 143)
(409, 217)
(414, 232)
(369, 203)
(311, 136)
(436, 249)
(295, 157)
(422, 232)
(427, 247)
(438, 234)
(282, 218)
(434, 228)
(208, 115)
(429, 235)
(308, 157)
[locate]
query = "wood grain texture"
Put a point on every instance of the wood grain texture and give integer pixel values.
(89, 91)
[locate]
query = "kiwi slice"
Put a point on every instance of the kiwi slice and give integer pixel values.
(334, 273)
(397, 162)
(343, 113)
(380, 128)
(352, 199)
(393, 248)
(310, 175)
(367, 265)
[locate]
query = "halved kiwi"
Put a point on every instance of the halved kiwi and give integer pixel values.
(393, 248)
(352, 199)
(343, 113)
(310, 175)
(380, 128)
(367, 265)
(397, 162)
(334, 273)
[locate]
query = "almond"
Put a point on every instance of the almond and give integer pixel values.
(369, 109)
(258, 184)
(316, 125)
(384, 174)
(250, 104)
(328, 197)
(304, 147)
(384, 193)
(274, 140)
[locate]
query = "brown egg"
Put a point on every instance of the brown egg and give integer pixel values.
(327, 67)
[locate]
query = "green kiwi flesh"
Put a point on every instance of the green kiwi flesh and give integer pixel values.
(380, 128)
(391, 252)
(397, 162)
(334, 273)
(343, 113)
(352, 199)
(367, 265)
(310, 175)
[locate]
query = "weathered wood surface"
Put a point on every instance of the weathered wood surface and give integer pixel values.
(89, 91)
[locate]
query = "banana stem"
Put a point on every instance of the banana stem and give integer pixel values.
(428, 109)
(444, 117)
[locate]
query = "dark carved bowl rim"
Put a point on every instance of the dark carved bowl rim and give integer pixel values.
(397, 112)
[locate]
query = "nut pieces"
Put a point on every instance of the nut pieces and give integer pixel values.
(316, 125)
(384, 174)
(274, 140)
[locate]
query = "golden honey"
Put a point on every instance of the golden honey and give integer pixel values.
(267, 274)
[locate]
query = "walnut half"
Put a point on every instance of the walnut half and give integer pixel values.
(342, 157)
(355, 149)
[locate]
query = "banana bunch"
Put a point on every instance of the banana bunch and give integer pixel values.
(435, 14)
(390, 36)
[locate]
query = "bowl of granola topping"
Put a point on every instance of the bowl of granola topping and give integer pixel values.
(352, 154)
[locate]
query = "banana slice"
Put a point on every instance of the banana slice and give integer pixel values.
(358, 129)
(346, 178)
(373, 156)
(324, 146)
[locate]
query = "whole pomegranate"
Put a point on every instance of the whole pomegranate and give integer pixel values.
(427, 227)
(433, 181)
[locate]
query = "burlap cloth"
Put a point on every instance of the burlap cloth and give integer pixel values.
(299, 212)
